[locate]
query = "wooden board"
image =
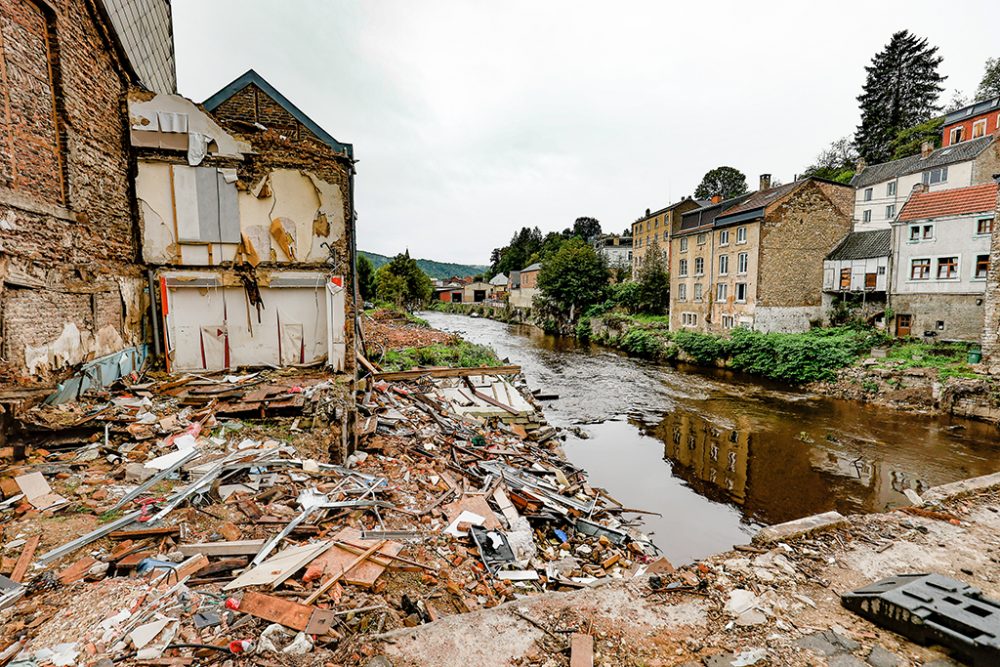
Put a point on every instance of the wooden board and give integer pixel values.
(288, 613)
(336, 558)
(24, 560)
(235, 548)
(279, 567)
(446, 373)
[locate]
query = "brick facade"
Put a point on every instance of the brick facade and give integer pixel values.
(252, 105)
(67, 239)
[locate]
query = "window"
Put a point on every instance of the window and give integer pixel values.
(933, 176)
(723, 265)
(984, 226)
(728, 321)
(664, 236)
(741, 292)
(920, 269)
(921, 233)
(721, 292)
(724, 237)
(656, 223)
(979, 129)
(890, 189)
(682, 292)
(845, 279)
(639, 243)
(699, 266)
(881, 270)
(947, 268)
(684, 244)
(701, 239)
(956, 135)
(682, 267)
(866, 215)
(689, 319)
(742, 263)
(982, 266)
(868, 194)
(890, 211)
(928, 232)
(697, 291)
(915, 232)
(741, 234)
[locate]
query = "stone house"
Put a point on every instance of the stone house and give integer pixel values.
(758, 262)
(246, 216)
(941, 262)
(654, 228)
(857, 271)
(71, 288)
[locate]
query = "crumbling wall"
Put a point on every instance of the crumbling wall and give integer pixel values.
(66, 212)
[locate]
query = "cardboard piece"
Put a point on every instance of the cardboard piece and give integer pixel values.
(38, 492)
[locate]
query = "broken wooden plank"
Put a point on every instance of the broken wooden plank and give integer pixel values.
(140, 533)
(347, 545)
(581, 650)
(288, 613)
(24, 560)
(77, 570)
(396, 376)
(232, 548)
(328, 584)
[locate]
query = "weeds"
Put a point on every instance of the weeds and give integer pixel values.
(455, 355)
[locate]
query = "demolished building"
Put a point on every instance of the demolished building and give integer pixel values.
(245, 215)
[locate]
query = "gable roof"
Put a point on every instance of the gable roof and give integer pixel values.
(863, 245)
(251, 77)
(961, 152)
(754, 205)
(704, 216)
(498, 280)
(972, 110)
(957, 201)
(537, 266)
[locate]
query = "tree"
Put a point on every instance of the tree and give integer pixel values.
(911, 140)
(989, 85)
(586, 228)
(366, 277)
(724, 181)
(517, 254)
(901, 90)
(835, 163)
(957, 101)
(654, 281)
(574, 277)
(401, 282)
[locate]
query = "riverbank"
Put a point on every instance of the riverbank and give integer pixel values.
(847, 363)
(771, 603)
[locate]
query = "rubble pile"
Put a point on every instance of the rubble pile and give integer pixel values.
(191, 519)
(390, 330)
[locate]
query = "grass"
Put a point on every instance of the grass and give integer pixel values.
(460, 354)
(949, 359)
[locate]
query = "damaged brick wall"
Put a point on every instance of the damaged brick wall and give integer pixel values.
(66, 212)
(252, 105)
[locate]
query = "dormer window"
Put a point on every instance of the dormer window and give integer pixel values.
(957, 135)
(979, 129)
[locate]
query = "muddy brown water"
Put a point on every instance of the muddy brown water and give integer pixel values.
(721, 455)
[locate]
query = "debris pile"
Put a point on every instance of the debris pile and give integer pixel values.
(390, 330)
(196, 518)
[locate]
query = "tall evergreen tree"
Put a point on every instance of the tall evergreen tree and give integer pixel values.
(901, 90)
(989, 85)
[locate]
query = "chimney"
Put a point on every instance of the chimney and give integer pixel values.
(647, 212)
(918, 187)
(926, 149)
(716, 199)
(765, 182)
(860, 167)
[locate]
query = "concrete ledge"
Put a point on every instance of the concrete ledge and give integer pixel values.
(807, 525)
(963, 487)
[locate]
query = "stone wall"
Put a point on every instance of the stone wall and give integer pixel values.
(960, 313)
(66, 210)
(797, 236)
(991, 328)
(252, 105)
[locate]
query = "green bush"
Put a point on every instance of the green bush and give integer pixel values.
(642, 343)
(583, 328)
(799, 357)
(458, 355)
(703, 348)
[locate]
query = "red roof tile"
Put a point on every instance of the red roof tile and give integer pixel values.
(960, 201)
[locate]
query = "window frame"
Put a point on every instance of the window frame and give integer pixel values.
(890, 211)
(723, 265)
(682, 268)
(890, 189)
(979, 123)
(982, 262)
(699, 266)
(869, 193)
(954, 272)
(866, 215)
(682, 292)
(701, 240)
(989, 226)
(951, 135)
(736, 293)
(684, 244)
(721, 292)
(698, 293)
(723, 237)
(741, 235)
(743, 259)
(925, 265)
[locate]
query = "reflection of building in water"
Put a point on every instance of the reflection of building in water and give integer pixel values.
(885, 484)
(706, 453)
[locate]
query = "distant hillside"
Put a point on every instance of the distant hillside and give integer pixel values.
(430, 267)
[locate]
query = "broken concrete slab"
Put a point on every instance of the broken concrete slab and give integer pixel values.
(800, 527)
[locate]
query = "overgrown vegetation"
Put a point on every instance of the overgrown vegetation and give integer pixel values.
(402, 283)
(456, 355)
(949, 359)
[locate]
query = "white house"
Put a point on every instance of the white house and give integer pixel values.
(940, 262)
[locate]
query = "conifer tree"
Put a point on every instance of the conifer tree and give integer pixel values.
(901, 90)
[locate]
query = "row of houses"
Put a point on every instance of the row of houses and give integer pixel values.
(907, 244)
(134, 219)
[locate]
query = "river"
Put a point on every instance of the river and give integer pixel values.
(719, 455)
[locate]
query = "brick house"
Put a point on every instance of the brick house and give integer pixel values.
(758, 261)
(972, 121)
(941, 262)
(524, 286)
(654, 228)
(71, 288)
(246, 216)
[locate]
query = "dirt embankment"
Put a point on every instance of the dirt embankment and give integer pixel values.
(391, 330)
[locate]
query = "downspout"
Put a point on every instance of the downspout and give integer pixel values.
(355, 288)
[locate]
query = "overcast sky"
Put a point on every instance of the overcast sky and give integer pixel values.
(471, 119)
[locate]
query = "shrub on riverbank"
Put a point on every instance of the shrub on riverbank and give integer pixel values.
(950, 359)
(455, 355)
(799, 357)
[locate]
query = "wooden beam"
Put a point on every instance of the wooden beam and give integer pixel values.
(166, 531)
(24, 560)
(445, 373)
(326, 585)
(235, 548)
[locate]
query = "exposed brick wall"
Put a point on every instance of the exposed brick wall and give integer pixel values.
(796, 236)
(252, 105)
(67, 231)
